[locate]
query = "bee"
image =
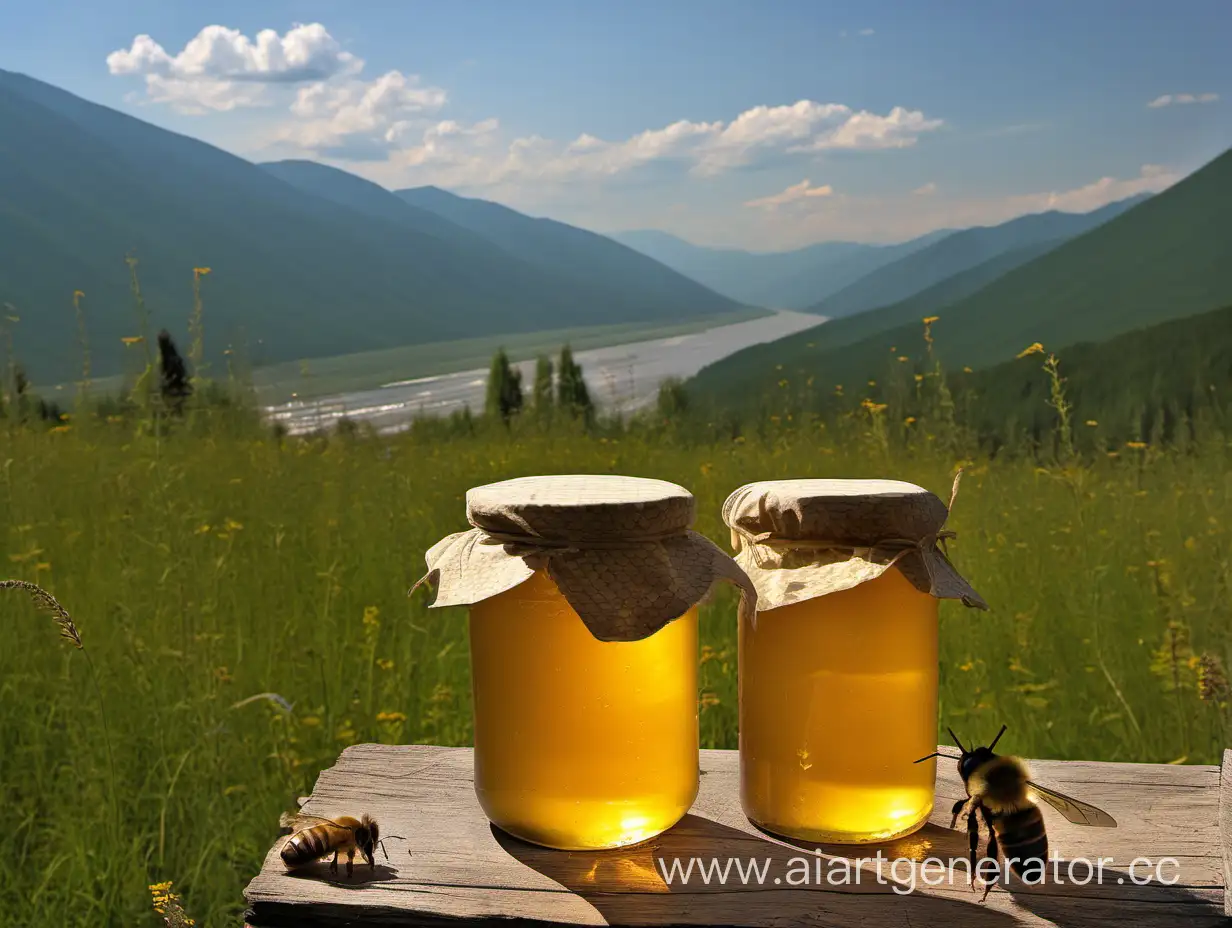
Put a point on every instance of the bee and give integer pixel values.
(312, 838)
(1001, 792)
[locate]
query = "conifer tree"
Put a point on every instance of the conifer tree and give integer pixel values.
(541, 394)
(504, 394)
(571, 392)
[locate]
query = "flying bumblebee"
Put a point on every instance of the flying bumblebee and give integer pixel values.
(1000, 791)
(313, 838)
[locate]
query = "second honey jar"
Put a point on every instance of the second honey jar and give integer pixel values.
(838, 673)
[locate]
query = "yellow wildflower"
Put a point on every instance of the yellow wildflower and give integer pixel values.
(61, 429)
(385, 663)
(1033, 348)
(902, 358)
(929, 320)
(370, 615)
(391, 716)
(910, 420)
(1135, 444)
(200, 271)
(1092, 423)
(133, 339)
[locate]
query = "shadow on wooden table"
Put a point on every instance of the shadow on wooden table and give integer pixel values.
(791, 884)
(1117, 901)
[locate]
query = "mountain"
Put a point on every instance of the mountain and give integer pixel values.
(1165, 258)
(1149, 384)
(294, 274)
(779, 280)
(958, 252)
(569, 252)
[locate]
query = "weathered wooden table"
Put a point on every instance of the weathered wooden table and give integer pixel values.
(455, 868)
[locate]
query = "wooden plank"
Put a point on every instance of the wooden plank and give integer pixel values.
(1225, 827)
(455, 865)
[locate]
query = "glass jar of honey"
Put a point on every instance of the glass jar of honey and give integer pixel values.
(583, 594)
(838, 672)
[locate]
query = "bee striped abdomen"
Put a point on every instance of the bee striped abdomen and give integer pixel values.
(306, 846)
(1023, 840)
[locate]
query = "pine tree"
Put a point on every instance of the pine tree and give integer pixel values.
(504, 394)
(571, 392)
(541, 395)
(173, 375)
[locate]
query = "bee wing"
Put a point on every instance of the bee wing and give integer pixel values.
(1077, 811)
(297, 821)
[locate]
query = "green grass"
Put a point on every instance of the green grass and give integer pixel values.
(209, 566)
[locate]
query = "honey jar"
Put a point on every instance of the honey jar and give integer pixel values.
(583, 594)
(838, 670)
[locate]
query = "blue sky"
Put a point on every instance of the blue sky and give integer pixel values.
(761, 124)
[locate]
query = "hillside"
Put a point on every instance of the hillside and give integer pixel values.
(293, 275)
(1167, 258)
(1149, 384)
(629, 277)
(959, 252)
(781, 280)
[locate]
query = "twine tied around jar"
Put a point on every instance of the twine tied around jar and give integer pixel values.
(619, 549)
(799, 539)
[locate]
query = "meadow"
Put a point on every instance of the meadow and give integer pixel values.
(242, 605)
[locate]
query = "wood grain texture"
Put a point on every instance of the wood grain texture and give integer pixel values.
(453, 865)
(1225, 826)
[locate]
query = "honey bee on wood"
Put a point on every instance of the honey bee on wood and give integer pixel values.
(1000, 791)
(313, 838)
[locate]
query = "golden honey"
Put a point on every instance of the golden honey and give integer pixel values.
(838, 697)
(580, 744)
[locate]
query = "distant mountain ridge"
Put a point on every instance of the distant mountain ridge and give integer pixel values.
(834, 279)
(295, 274)
(1162, 259)
(959, 252)
(778, 280)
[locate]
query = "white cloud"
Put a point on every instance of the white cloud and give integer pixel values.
(925, 190)
(704, 148)
(793, 194)
(865, 32)
(221, 68)
(889, 218)
(1171, 99)
(1151, 179)
(354, 115)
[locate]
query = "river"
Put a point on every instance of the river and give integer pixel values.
(620, 377)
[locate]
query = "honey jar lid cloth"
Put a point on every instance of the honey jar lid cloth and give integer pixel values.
(620, 550)
(800, 539)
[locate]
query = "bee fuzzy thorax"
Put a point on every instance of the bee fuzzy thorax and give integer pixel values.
(1001, 784)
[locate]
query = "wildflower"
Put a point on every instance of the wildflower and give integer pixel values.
(79, 294)
(902, 359)
(706, 468)
(133, 339)
(919, 377)
(708, 653)
(203, 529)
(1139, 445)
(233, 526)
(967, 370)
(707, 700)
(391, 717)
(61, 429)
(200, 271)
(1033, 348)
(782, 384)
(167, 904)
(384, 663)
(872, 383)
(370, 616)
(222, 675)
(910, 420)
(803, 755)
(311, 721)
(1092, 423)
(1213, 684)
(929, 320)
